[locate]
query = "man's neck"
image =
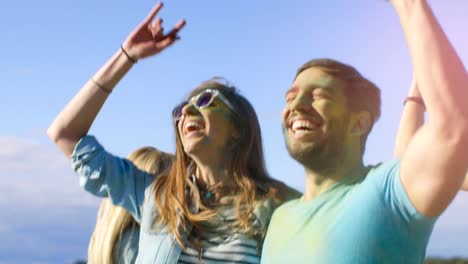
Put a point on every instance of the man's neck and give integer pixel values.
(319, 182)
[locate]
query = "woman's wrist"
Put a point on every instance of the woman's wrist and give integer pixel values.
(112, 72)
(131, 58)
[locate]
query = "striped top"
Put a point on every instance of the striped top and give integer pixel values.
(222, 240)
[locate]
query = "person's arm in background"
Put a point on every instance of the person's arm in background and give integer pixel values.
(412, 119)
(76, 118)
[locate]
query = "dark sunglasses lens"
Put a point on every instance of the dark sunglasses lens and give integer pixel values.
(177, 112)
(204, 99)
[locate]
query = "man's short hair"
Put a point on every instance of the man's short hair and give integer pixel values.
(361, 94)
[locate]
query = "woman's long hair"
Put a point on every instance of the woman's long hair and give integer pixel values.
(112, 220)
(246, 167)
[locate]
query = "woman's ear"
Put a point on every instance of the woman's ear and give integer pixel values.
(235, 134)
(234, 140)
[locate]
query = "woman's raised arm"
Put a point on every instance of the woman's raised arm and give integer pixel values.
(76, 118)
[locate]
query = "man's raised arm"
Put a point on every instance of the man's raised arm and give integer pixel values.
(435, 163)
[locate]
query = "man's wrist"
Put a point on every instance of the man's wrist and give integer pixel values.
(405, 8)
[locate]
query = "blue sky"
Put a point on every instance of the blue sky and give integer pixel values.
(50, 48)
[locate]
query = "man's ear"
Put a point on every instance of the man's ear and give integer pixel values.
(360, 123)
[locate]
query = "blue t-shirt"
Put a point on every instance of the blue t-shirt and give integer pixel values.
(369, 221)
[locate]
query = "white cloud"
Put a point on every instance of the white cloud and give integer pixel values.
(36, 174)
(46, 217)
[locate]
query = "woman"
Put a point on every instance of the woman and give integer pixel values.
(216, 201)
(411, 120)
(115, 237)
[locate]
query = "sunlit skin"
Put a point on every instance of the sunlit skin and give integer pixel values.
(313, 97)
(206, 134)
(320, 131)
(412, 120)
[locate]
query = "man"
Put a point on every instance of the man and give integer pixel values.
(356, 214)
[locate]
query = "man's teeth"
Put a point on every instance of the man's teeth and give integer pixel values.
(301, 125)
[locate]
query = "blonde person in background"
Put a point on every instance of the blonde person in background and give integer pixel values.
(115, 237)
(215, 203)
(412, 119)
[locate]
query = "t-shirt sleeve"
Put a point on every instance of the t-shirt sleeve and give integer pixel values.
(396, 197)
(106, 175)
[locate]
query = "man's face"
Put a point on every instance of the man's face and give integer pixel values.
(315, 119)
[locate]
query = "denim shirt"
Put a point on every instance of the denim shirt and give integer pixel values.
(126, 249)
(106, 175)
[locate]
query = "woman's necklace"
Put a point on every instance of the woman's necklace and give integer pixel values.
(212, 194)
(208, 195)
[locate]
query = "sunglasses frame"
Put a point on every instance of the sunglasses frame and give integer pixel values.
(193, 100)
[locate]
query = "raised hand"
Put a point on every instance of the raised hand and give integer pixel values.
(148, 37)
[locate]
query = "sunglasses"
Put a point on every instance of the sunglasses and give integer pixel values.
(201, 101)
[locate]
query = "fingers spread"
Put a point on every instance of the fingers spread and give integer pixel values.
(156, 29)
(153, 12)
(166, 42)
(179, 25)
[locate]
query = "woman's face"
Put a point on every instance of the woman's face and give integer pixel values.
(207, 131)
